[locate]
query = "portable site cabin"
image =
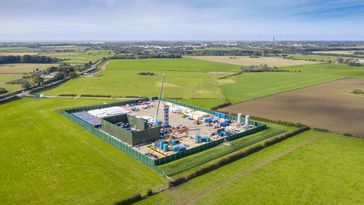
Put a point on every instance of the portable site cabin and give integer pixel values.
(141, 132)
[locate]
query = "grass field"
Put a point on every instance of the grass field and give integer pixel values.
(194, 162)
(129, 83)
(311, 168)
(191, 78)
(322, 106)
(23, 67)
(179, 64)
(10, 72)
(47, 159)
(253, 85)
(345, 52)
(81, 57)
(316, 58)
(246, 60)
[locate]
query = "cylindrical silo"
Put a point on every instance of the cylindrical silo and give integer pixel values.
(239, 119)
(246, 124)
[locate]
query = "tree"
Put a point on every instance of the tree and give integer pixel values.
(26, 85)
(3, 91)
(37, 78)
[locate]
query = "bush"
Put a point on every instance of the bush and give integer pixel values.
(3, 91)
(68, 95)
(358, 92)
(146, 73)
(100, 96)
(225, 104)
(130, 200)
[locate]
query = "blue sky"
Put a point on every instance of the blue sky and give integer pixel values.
(44, 20)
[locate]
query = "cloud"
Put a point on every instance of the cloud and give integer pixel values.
(179, 19)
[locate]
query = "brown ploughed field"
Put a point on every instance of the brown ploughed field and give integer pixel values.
(329, 106)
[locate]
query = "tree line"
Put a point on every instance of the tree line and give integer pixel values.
(27, 59)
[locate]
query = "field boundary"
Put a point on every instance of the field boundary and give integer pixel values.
(222, 162)
(247, 171)
(312, 85)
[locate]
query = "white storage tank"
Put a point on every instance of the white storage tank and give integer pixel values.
(239, 119)
(246, 123)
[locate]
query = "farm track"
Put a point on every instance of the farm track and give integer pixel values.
(190, 199)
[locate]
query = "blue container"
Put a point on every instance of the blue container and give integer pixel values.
(165, 147)
(174, 142)
(175, 147)
(161, 143)
(197, 138)
(207, 139)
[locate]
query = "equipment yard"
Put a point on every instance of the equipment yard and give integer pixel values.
(175, 132)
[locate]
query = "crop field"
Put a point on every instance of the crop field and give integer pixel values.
(329, 106)
(10, 72)
(191, 78)
(8, 77)
(331, 173)
(47, 159)
(17, 53)
(19, 68)
(253, 85)
(246, 60)
(80, 57)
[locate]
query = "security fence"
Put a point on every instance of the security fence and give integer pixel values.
(145, 159)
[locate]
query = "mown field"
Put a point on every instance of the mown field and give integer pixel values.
(79, 57)
(47, 159)
(181, 64)
(129, 83)
(247, 61)
(190, 78)
(310, 168)
(317, 58)
(9, 72)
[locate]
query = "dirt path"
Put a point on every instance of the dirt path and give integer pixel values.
(190, 199)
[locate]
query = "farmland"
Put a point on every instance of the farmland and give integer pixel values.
(183, 64)
(46, 159)
(79, 57)
(316, 58)
(129, 83)
(246, 60)
(328, 105)
(10, 72)
(329, 174)
(191, 78)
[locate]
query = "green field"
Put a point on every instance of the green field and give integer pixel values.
(311, 168)
(80, 57)
(181, 64)
(9, 72)
(190, 78)
(317, 58)
(47, 159)
(253, 85)
(129, 83)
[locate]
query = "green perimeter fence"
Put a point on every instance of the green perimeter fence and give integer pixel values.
(145, 159)
(180, 167)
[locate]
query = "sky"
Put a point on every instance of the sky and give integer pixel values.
(138, 20)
